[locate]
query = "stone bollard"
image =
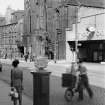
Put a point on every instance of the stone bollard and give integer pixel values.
(41, 83)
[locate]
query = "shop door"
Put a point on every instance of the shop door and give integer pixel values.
(97, 56)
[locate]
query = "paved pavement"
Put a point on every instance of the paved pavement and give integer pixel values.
(57, 95)
(57, 92)
(6, 100)
(5, 89)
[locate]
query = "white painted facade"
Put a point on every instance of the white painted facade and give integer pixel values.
(87, 17)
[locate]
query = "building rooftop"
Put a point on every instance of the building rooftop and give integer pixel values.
(18, 11)
(87, 3)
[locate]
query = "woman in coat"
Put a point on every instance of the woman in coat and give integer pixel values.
(16, 80)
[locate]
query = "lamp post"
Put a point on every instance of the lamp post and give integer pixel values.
(77, 7)
(76, 34)
(30, 31)
(45, 7)
(46, 28)
(56, 42)
(58, 31)
(76, 29)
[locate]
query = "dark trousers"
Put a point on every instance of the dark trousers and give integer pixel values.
(84, 84)
(19, 90)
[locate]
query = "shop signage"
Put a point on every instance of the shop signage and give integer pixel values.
(93, 35)
(91, 29)
(97, 35)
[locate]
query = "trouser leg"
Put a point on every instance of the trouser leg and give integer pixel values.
(15, 101)
(90, 92)
(20, 98)
(19, 90)
(88, 89)
(80, 90)
(81, 94)
(86, 85)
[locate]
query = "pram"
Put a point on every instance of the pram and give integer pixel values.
(69, 81)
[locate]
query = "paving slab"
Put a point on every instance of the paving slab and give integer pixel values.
(6, 100)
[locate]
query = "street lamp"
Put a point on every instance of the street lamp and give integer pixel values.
(56, 42)
(77, 7)
(45, 7)
(76, 33)
(76, 29)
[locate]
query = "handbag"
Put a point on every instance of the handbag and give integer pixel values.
(13, 93)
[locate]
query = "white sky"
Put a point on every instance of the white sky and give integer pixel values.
(14, 4)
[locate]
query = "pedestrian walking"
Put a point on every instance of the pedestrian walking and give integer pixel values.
(1, 67)
(16, 81)
(6, 56)
(26, 57)
(31, 58)
(83, 82)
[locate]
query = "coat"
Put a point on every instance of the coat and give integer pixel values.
(16, 79)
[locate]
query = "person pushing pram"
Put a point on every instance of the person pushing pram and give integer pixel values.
(83, 82)
(78, 80)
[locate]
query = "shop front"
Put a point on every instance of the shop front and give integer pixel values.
(90, 50)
